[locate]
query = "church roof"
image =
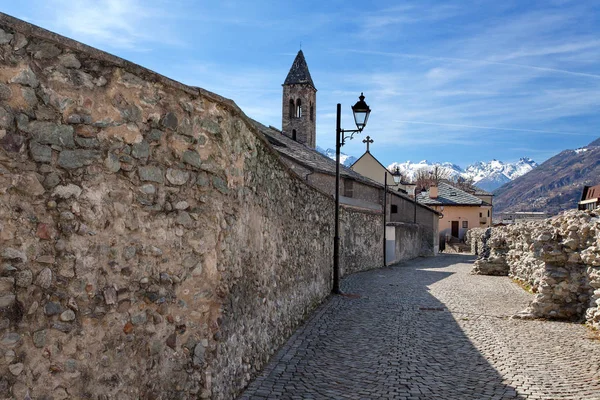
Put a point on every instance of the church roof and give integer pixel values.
(299, 72)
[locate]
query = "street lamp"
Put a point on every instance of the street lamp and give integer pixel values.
(361, 113)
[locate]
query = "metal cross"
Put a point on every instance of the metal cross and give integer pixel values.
(368, 141)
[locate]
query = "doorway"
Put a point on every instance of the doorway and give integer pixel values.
(455, 229)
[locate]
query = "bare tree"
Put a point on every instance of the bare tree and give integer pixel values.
(425, 178)
(466, 184)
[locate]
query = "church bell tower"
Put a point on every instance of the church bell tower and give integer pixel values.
(299, 121)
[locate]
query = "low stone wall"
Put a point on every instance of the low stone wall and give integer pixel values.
(152, 244)
(558, 258)
(411, 241)
(491, 247)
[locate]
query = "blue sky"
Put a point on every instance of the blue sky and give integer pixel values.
(458, 81)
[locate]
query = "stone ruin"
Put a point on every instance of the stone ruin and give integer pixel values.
(557, 258)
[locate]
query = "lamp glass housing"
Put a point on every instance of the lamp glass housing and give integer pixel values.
(361, 113)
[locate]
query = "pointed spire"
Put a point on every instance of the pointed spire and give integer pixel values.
(299, 72)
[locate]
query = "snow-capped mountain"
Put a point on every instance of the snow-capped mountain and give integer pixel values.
(345, 159)
(486, 175)
(481, 170)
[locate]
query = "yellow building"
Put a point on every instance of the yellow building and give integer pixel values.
(367, 165)
(461, 210)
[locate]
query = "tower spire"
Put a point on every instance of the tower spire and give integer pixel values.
(299, 73)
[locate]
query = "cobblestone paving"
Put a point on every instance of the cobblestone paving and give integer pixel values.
(427, 329)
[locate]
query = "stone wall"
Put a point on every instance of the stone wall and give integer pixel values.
(361, 239)
(558, 259)
(152, 244)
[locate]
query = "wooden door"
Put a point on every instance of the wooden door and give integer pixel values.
(455, 229)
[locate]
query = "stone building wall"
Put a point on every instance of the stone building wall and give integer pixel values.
(304, 125)
(152, 244)
(558, 259)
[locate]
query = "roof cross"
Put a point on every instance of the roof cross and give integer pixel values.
(368, 141)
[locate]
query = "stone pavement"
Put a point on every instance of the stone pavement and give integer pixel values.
(427, 329)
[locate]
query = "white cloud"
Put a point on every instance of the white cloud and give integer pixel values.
(125, 24)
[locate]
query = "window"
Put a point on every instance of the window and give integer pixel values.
(292, 107)
(465, 224)
(394, 209)
(348, 188)
(488, 213)
(312, 112)
(294, 134)
(298, 108)
(480, 215)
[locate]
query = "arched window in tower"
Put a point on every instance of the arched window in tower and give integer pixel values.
(293, 134)
(312, 112)
(292, 108)
(298, 108)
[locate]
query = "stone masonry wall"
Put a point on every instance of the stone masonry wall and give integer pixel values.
(558, 258)
(152, 245)
(361, 240)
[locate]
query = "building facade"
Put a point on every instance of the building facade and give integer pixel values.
(461, 210)
(590, 198)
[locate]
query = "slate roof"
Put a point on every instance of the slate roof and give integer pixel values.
(448, 195)
(481, 192)
(299, 72)
(315, 161)
(308, 157)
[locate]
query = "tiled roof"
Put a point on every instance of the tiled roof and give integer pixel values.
(308, 157)
(315, 161)
(448, 195)
(299, 72)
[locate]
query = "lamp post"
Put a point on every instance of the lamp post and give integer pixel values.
(361, 113)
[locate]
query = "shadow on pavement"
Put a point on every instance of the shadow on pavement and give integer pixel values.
(391, 339)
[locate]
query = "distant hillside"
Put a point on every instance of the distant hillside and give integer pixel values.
(553, 186)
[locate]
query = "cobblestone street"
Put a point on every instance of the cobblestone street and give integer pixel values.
(427, 329)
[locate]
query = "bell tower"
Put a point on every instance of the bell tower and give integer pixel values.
(299, 120)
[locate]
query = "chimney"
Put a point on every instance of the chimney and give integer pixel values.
(433, 192)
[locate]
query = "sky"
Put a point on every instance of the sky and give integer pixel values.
(447, 81)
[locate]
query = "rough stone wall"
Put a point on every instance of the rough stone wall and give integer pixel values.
(491, 247)
(361, 240)
(558, 258)
(152, 245)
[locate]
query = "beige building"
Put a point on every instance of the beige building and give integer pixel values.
(369, 166)
(461, 210)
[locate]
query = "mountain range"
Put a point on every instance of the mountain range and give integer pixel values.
(553, 186)
(345, 159)
(486, 175)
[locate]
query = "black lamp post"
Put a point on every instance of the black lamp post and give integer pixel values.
(361, 113)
